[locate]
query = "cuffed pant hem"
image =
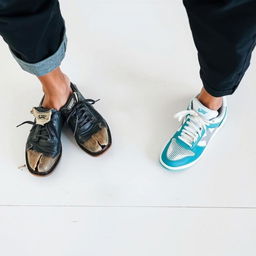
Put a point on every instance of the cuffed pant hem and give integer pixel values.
(47, 65)
(216, 93)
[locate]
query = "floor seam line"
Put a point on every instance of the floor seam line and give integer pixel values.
(131, 206)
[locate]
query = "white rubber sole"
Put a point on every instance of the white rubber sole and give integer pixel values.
(183, 167)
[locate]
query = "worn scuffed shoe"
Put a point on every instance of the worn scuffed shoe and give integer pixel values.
(199, 125)
(90, 129)
(43, 147)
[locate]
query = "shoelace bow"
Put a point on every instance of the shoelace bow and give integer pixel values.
(42, 131)
(80, 111)
(195, 125)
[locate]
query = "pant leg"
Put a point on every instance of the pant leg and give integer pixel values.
(224, 33)
(35, 33)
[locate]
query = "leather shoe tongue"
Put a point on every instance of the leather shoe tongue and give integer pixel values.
(71, 102)
(42, 115)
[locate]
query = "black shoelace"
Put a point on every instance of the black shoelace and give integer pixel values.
(42, 131)
(81, 114)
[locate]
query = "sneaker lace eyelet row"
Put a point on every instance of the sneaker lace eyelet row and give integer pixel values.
(194, 125)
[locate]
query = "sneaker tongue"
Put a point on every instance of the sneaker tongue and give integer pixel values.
(203, 110)
(42, 115)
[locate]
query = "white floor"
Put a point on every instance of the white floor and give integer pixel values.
(138, 57)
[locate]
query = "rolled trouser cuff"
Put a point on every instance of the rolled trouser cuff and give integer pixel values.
(215, 93)
(47, 65)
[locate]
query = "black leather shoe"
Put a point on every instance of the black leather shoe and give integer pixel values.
(43, 147)
(90, 129)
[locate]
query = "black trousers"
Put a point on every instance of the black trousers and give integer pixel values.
(33, 29)
(224, 32)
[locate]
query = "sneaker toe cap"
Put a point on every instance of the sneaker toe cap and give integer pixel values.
(175, 157)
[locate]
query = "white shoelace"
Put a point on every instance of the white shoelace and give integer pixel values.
(194, 128)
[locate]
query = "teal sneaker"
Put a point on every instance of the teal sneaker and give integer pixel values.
(199, 125)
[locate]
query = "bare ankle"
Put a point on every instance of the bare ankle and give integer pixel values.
(55, 101)
(210, 101)
(56, 87)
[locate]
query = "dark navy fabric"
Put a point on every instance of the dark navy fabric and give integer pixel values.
(224, 32)
(33, 29)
